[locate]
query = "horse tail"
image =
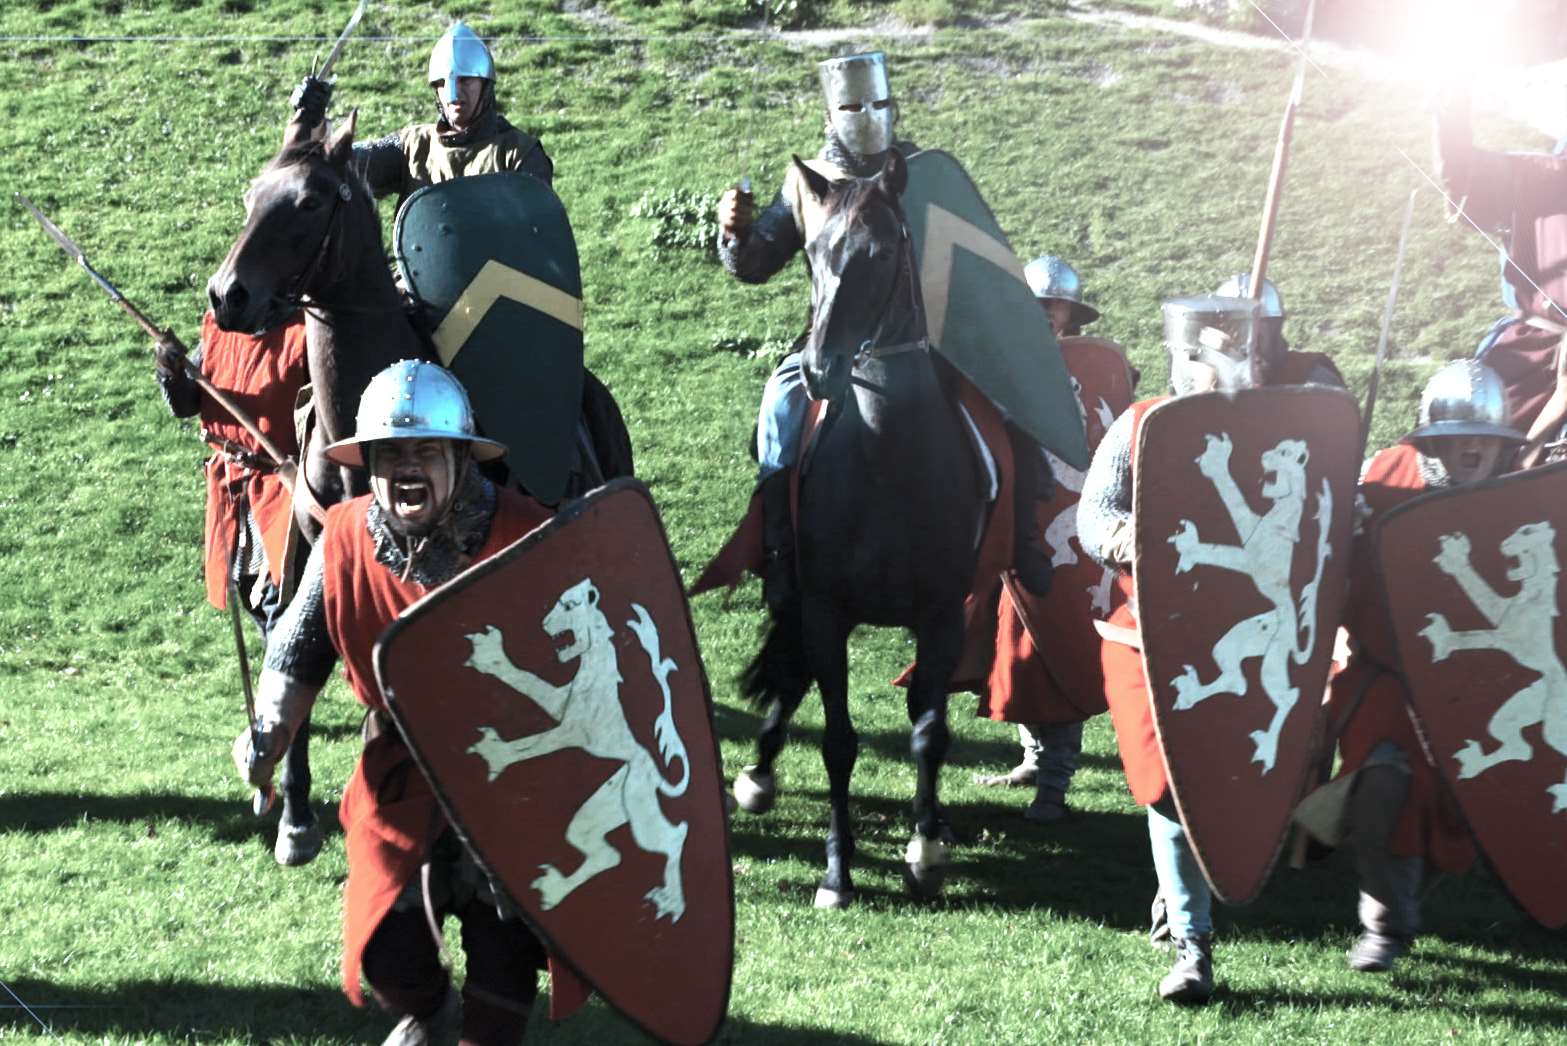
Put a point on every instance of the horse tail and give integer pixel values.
(1307, 620)
(777, 672)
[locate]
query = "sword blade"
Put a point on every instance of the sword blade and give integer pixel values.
(337, 48)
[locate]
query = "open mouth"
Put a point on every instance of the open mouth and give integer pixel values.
(410, 497)
(563, 641)
(1469, 460)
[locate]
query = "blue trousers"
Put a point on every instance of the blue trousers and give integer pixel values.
(781, 417)
(1187, 899)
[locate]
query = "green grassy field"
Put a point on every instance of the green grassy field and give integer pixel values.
(138, 898)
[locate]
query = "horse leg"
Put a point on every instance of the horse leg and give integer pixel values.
(777, 677)
(298, 833)
(827, 653)
(939, 644)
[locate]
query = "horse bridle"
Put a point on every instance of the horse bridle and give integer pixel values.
(869, 349)
(294, 296)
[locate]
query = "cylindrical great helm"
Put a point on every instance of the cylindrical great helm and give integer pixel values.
(1239, 286)
(413, 399)
(1212, 333)
(1052, 279)
(1464, 398)
(459, 52)
(859, 101)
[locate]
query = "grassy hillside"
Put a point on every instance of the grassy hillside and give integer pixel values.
(138, 898)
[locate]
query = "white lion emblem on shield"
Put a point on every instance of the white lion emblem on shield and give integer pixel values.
(1522, 627)
(1266, 554)
(589, 716)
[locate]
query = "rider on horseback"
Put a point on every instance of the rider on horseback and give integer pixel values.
(430, 515)
(469, 135)
(861, 114)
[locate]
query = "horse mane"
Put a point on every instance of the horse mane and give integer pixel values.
(298, 153)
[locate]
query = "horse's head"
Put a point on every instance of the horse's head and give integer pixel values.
(861, 273)
(291, 211)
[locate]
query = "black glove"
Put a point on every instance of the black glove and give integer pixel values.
(310, 100)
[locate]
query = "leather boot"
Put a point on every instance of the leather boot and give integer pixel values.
(1032, 483)
(1190, 980)
(780, 582)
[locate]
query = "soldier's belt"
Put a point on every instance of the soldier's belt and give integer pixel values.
(239, 454)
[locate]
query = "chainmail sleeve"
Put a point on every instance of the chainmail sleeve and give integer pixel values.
(181, 394)
(300, 646)
(1104, 507)
(772, 241)
(381, 164)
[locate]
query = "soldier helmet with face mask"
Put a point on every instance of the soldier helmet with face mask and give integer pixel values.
(860, 109)
(1212, 343)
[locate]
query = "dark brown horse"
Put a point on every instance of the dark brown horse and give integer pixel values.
(312, 239)
(890, 509)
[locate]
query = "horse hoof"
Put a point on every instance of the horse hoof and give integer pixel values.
(297, 844)
(925, 866)
(829, 898)
(755, 791)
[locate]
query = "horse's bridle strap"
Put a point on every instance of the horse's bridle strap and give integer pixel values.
(876, 352)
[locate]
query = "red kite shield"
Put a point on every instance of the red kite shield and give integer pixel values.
(1474, 592)
(1047, 657)
(555, 698)
(1242, 507)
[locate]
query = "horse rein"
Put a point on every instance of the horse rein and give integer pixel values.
(295, 295)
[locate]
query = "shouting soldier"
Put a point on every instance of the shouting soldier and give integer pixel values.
(469, 135)
(861, 115)
(1400, 819)
(430, 515)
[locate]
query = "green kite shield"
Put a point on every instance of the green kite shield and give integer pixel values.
(493, 261)
(979, 311)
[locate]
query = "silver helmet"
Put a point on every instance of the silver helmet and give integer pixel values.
(1239, 286)
(459, 52)
(413, 399)
(1464, 398)
(1212, 334)
(859, 101)
(1052, 279)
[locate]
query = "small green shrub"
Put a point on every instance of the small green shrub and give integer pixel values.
(683, 220)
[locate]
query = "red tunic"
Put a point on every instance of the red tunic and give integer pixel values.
(1430, 825)
(1126, 683)
(1526, 195)
(263, 376)
(389, 814)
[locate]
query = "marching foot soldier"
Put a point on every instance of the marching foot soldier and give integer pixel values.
(430, 515)
(1105, 529)
(1400, 819)
(861, 115)
(1050, 751)
(469, 135)
(249, 518)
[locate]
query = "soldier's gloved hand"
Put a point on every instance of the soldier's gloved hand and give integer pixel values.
(169, 355)
(736, 212)
(310, 100)
(256, 765)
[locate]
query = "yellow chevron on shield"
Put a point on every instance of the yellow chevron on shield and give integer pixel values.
(495, 281)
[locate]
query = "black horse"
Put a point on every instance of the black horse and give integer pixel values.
(312, 239)
(891, 505)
